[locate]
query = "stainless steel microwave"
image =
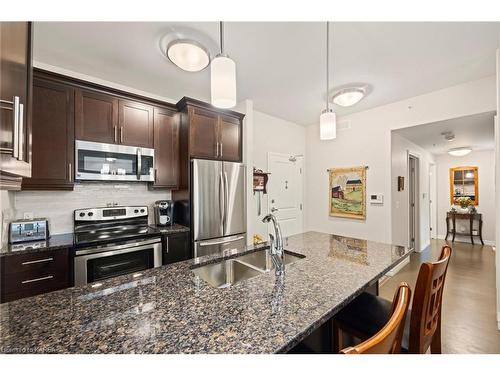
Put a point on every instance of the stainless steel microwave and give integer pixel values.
(110, 162)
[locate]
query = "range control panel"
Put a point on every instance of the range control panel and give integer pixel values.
(110, 213)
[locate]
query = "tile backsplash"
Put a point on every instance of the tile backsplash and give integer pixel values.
(58, 206)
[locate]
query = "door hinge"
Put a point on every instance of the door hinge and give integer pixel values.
(300, 169)
(301, 206)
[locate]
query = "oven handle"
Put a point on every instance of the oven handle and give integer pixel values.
(134, 245)
(156, 247)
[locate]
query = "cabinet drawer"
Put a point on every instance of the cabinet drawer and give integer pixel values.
(27, 275)
(35, 263)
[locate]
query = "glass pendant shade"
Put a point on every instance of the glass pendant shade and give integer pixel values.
(188, 55)
(223, 82)
(327, 125)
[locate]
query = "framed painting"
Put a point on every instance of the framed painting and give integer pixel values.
(347, 192)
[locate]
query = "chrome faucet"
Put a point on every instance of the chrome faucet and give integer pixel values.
(276, 245)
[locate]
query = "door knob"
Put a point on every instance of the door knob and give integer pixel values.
(274, 209)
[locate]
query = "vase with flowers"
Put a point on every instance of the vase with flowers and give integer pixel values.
(464, 203)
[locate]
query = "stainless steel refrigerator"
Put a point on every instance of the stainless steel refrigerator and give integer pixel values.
(218, 206)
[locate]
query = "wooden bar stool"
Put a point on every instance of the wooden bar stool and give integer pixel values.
(388, 339)
(367, 314)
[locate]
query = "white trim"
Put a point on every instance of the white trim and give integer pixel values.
(99, 81)
(457, 239)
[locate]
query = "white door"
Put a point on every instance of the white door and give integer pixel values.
(432, 200)
(285, 191)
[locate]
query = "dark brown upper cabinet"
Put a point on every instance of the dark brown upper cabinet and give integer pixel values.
(166, 146)
(15, 106)
(53, 136)
(212, 133)
(96, 116)
(135, 124)
(230, 138)
(203, 133)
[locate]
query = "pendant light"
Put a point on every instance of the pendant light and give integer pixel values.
(328, 119)
(223, 77)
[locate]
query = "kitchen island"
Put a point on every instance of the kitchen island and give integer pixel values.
(170, 310)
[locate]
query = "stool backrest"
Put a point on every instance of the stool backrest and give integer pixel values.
(388, 339)
(425, 318)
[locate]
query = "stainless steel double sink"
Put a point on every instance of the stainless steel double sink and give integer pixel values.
(231, 271)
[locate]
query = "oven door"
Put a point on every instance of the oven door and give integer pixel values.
(102, 161)
(99, 264)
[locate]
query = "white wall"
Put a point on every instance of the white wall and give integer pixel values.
(7, 213)
(58, 206)
(497, 181)
(401, 147)
(485, 161)
(272, 134)
(368, 142)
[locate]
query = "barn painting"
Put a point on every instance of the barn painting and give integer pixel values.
(347, 194)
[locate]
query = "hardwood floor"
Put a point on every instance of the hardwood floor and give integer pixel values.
(469, 307)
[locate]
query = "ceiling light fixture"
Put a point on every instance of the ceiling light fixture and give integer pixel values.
(349, 96)
(328, 119)
(188, 55)
(223, 77)
(459, 151)
(449, 136)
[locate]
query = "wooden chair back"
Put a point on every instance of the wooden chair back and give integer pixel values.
(388, 339)
(425, 321)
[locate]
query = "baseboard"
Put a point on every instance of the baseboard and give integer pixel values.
(396, 269)
(457, 239)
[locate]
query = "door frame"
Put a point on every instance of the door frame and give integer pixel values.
(433, 201)
(416, 195)
(300, 161)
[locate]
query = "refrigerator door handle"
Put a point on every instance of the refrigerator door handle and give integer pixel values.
(219, 242)
(222, 206)
(226, 201)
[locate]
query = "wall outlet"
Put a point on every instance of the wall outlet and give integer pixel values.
(28, 215)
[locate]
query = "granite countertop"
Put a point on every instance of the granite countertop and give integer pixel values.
(170, 310)
(54, 242)
(61, 241)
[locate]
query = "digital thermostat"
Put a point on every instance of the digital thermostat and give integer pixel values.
(376, 198)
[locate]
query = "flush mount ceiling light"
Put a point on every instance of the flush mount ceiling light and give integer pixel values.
(222, 77)
(459, 151)
(328, 119)
(188, 55)
(349, 96)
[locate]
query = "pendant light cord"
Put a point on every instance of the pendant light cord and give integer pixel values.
(327, 63)
(221, 32)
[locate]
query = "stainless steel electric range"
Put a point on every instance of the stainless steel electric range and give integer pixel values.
(113, 241)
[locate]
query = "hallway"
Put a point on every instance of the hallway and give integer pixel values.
(469, 306)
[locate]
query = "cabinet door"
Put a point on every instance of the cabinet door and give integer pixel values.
(53, 136)
(230, 138)
(96, 117)
(15, 96)
(203, 134)
(136, 124)
(176, 248)
(166, 145)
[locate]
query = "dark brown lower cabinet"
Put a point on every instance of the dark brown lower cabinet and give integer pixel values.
(26, 275)
(166, 145)
(53, 137)
(176, 248)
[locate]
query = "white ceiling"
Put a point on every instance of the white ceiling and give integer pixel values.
(281, 65)
(476, 131)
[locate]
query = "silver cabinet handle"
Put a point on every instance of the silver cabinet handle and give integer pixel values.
(21, 133)
(219, 242)
(217, 149)
(37, 261)
(35, 280)
(115, 129)
(220, 149)
(139, 163)
(121, 134)
(226, 200)
(15, 134)
(70, 172)
(167, 244)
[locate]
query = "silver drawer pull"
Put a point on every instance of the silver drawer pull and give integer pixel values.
(39, 279)
(37, 261)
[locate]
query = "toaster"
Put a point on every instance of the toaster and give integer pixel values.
(28, 230)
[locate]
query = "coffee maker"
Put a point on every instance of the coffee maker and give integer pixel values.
(164, 212)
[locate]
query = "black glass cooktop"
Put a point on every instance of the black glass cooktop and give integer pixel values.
(113, 234)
